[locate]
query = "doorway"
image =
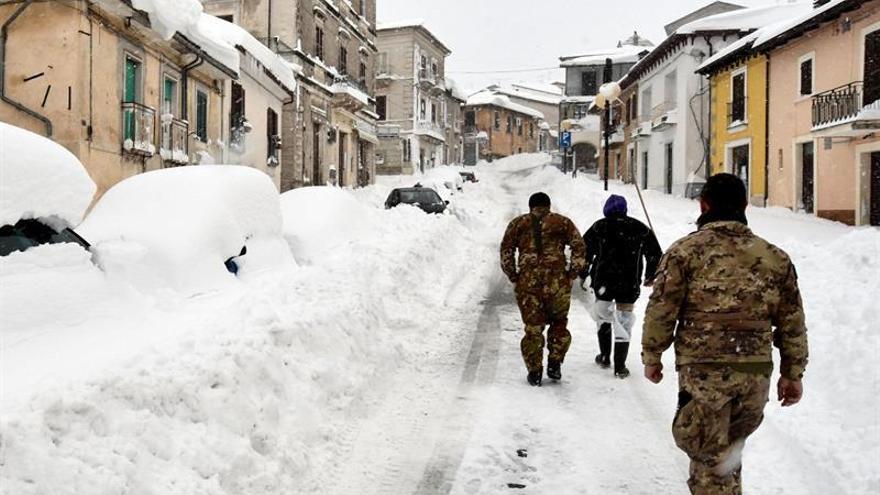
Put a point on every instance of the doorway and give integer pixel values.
(874, 189)
(343, 156)
(644, 170)
(739, 162)
(669, 155)
(317, 180)
(808, 177)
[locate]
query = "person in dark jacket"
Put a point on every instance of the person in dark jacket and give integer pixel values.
(619, 250)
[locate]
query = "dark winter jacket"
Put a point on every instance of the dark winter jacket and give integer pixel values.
(619, 250)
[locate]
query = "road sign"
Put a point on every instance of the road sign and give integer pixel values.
(565, 140)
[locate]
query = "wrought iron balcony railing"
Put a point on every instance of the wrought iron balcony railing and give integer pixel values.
(839, 104)
(736, 111)
(138, 122)
(175, 134)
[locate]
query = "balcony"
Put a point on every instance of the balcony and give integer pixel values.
(430, 81)
(430, 130)
(736, 113)
(137, 129)
(843, 112)
(350, 93)
(175, 137)
(664, 116)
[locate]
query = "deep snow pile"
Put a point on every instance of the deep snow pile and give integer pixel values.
(241, 390)
(176, 227)
(40, 179)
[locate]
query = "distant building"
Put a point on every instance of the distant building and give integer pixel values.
(584, 74)
(411, 99)
(454, 119)
(501, 127)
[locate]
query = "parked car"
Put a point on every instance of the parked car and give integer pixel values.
(30, 233)
(424, 198)
(445, 176)
(469, 177)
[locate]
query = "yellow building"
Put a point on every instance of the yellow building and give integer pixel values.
(738, 135)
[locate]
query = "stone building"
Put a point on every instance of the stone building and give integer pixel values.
(500, 127)
(94, 77)
(454, 101)
(331, 130)
(411, 99)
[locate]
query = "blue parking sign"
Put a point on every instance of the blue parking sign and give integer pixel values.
(565, 140)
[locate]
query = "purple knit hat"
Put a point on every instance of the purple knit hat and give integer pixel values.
(615, 206)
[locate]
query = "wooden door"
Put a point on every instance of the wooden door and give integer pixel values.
(875, 189)
(808, 173)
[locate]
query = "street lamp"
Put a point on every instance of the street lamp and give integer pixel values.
(609, 93)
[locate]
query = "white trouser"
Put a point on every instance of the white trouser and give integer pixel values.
(620, 316)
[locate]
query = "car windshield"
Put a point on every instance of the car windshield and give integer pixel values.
(425, 197)
(29, 233)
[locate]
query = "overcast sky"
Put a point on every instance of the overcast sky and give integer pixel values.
(502, 35)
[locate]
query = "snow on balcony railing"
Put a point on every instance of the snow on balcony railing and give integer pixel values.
(137, 128)
(838, 106)
(175, 133)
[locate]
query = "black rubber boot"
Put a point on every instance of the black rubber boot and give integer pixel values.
(621, 349)
(535, 377)
(554, 370)
(604, 357)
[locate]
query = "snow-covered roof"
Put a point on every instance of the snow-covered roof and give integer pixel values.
(40, 179)
(620, 55)
(745, 19)
(218, 38)
(550, 95)
(796, 21)
(775, 18)
(453, 87)
(412, 24)
(488, 98)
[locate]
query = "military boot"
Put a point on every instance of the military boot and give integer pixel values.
(554, 370)
(621, 349)
(535, 377)
(604, 357)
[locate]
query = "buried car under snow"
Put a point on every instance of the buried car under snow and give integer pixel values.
(190, 229)
(424, 198)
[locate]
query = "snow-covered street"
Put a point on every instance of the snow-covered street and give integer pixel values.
(389, 363)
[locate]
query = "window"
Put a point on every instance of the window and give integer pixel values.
(202, 115)
(433, 113)
(362, 73)
(424, 67)
(470, 118)
(531, 129)
(737, 114)
(236, 115)
(434, 71)
(806, 75)
(382, 107)
(319, 42)
(519, 126)
(670, 88)
(407, 150)
(589, 83)
(382, 63)
(510, 124)
(634, 107)
(343, 59)
(170, 98)
(273, 139)
(423, 110)
(872, 67)
(580, 111)
(497, 120)
(362, 8)
(131, 94)
(646, 104)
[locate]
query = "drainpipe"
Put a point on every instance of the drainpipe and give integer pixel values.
(708, 138)
(184, 82)
(767, 133)
(3, 38)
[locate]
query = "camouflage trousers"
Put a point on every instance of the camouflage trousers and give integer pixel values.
(718, 408)
(541, 307)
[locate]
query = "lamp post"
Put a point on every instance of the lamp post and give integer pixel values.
(608, 94)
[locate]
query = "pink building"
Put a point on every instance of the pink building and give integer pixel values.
(824, 111)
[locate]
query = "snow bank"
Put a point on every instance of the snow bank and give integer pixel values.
(320, 220)
(40, 179)
(176, 227)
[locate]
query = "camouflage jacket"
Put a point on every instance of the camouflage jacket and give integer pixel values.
(724, 295)
(540, 238)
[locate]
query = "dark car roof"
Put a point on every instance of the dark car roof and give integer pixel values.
(408, 189)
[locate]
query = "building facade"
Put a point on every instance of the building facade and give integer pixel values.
(94, 77)
(584, 74)
(330, 130)
(501, 127)
(411, 99)
(623, 145)
(454, 102)
(824, 104)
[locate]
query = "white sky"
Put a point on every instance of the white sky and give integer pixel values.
(492, 35)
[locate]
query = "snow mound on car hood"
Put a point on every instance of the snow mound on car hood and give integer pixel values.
(318, 220)
(40, 179)
(179, 226)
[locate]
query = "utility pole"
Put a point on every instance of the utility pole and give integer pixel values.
(609, 68)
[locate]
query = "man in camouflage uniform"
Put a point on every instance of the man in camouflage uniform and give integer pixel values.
(543, 279)
(725, 297)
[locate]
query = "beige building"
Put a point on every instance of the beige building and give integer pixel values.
(330, 131)
(824, 113)
(499, 127)
(411, 99)
(95, 78)
(454, 100)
